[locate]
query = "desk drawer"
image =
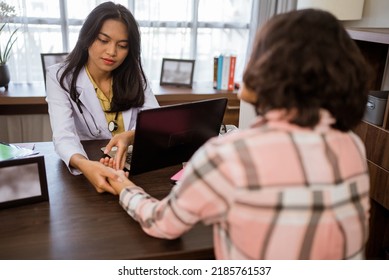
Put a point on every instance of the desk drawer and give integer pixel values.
(379, 181)
(376, 142)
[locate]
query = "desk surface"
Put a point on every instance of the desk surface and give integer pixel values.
(79, 223)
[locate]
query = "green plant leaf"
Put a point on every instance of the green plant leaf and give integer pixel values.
(6, 13)
(8, 47)
(4, 56)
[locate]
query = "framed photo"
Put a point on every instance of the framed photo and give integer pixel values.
(177, 72)
(49, 59)
(23, 181)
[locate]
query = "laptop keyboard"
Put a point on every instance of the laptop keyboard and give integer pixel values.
(127, 165)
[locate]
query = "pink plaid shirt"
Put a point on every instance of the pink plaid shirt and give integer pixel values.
(274, 191)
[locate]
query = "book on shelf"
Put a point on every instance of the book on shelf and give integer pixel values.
(224, 72)
(231, 78)
(215, 62)
(219, 71)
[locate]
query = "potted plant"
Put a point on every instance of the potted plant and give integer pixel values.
(6, 13)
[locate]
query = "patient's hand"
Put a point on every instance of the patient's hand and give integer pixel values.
(122, 182)
(107, 161)
(110, 162)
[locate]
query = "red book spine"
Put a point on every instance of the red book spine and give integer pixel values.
(231, 79)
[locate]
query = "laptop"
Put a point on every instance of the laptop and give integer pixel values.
(170, 135)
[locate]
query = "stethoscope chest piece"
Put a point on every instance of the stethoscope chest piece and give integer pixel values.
(112, 126)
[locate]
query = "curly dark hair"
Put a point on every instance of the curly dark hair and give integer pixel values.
(305, 60)
(129, 79)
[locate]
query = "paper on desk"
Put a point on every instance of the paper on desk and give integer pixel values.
(10, 151)
(30, 146)
(176, 177)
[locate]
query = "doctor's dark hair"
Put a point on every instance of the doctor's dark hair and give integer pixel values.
(129, 80)
(303, 61)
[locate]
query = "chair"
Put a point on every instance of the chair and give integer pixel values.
(49, 59)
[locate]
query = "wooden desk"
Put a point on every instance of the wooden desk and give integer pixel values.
(79, 223)
(22, 99)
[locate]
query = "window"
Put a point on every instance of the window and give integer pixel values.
(194, 29)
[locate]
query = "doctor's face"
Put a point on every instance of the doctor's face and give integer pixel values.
(110, 48)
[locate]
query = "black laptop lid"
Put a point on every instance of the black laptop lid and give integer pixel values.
(170, 135)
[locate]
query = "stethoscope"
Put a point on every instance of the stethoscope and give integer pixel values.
(78, 102)
(112, 125)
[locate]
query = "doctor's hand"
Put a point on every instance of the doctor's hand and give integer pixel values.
(97, 173)
(121, 141)
(99, 176)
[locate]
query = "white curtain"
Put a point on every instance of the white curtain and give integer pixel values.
(185, 29)
(265, 10)
(194, 29)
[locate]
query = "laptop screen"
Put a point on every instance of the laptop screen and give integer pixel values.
(170, 135)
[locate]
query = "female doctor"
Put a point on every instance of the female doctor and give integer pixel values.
(98, 91)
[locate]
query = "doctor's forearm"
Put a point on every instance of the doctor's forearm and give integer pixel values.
(78, 161)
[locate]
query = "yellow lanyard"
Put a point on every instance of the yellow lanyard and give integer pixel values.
(115, 119)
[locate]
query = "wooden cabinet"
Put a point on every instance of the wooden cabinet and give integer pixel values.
(30, 98)
(26, 103)
(374, 44)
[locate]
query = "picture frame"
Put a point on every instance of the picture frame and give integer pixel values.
(23, 181)
(49, 59)
(177, 72)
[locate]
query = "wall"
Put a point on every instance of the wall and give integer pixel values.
(246, 115)
(25, 128)
(375, 15)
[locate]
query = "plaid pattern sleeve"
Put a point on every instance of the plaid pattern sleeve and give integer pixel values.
(271, 192)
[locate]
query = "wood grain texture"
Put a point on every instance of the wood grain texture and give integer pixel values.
(78, 223)
(30, 99)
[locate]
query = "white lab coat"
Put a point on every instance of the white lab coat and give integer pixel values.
(67, 122)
